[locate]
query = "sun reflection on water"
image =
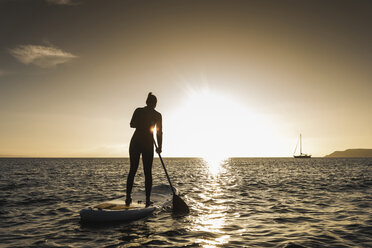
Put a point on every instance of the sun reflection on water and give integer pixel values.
(213, 215)
(212, 222)
(215, 164)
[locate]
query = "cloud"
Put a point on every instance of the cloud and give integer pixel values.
(41, 56)
(61, 2)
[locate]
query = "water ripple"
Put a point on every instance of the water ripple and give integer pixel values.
(234, 203)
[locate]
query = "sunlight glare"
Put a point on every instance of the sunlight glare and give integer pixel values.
(216, 126)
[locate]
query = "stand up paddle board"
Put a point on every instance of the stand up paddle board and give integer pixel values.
(116, 210)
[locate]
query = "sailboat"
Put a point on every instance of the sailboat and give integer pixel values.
(301, 155)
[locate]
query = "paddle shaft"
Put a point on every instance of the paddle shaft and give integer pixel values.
(165, 169)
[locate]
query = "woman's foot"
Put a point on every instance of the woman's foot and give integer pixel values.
(149, 203)
(128, 201)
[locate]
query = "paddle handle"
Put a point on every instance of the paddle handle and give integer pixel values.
(165, 169)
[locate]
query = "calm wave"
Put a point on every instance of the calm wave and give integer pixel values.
(237, 203)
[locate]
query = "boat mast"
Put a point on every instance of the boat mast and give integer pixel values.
(300, 144)
(295, 150)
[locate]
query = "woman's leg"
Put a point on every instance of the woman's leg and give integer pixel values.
(147, 159)
(134, 154)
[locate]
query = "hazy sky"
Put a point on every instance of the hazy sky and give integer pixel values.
(242, 78)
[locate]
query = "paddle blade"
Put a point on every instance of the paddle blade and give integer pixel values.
(179, 206)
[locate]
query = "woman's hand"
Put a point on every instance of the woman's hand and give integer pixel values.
(158, 150)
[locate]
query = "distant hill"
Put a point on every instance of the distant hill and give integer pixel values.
(351, 153)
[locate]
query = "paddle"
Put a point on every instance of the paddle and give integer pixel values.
(179, 206)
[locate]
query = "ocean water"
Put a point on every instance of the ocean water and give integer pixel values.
(235, 203)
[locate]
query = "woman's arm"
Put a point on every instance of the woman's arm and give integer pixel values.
(159, 133)
(134, 121)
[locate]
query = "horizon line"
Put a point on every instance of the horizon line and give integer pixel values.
(10, 156)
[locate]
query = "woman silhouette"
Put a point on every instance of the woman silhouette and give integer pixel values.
(144, 121)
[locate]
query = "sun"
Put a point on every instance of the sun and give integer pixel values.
(214, 126)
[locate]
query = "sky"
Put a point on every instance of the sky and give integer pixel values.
(232, 78)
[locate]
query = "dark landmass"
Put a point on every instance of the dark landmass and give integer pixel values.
(351, 153)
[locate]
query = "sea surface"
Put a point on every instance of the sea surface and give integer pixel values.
(234, 203)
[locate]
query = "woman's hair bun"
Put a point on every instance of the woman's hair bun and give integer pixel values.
(151, 100)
